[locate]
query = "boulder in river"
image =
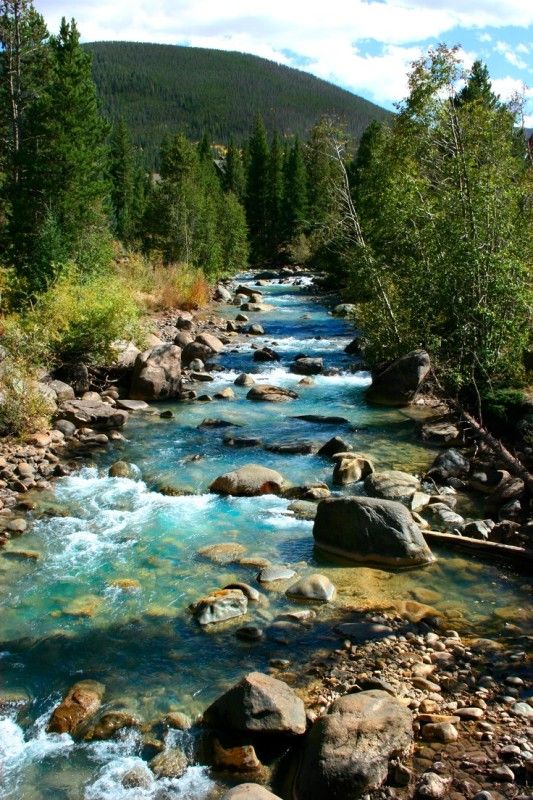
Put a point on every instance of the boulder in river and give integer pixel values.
(449, 464)
(248, 481)
(219, 605)
(398, 383)
(371, 530)
(344, 310)
(258, 704)
(264, 393)
(321, 419)
(265, 354)
(169, 764)
(307, 366)
(348, 751)
(334, 446)
(157, 373)
(392, 485)
(351, 468)
(80, 703)
(244, 379)
(221, 294)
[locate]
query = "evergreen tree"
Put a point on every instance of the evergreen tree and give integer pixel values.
(478, 87)
(257, 192)
(122, 171)
(234, 177)
(295, 199)
(275, 196)
(63, 167)
(322, 171)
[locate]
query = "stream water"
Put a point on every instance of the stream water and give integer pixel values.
(108, 597)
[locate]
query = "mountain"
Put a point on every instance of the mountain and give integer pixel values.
(159, 89)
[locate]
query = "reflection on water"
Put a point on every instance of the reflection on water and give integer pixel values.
(118, 566)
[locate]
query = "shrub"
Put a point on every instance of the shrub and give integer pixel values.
(24, 409)
(157, 287)
(79, 320)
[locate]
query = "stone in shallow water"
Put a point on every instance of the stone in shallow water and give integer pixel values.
(86, 606)
(276, 572)
(219, 606)
(109, 724)
(80, 703)
(314, 587)
(392, 485)
(248, 481)
(235, 759)
(169, 763)
(350, 468)
(244, 379)
(264, 393)
(333, 446)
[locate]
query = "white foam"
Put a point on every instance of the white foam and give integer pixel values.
(195, 784)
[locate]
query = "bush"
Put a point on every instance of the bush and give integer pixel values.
(503, 407)
(79, 320)
(24, 409)
(157, 287)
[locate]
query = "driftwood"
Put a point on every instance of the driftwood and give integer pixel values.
(518, 556)
(513, 464)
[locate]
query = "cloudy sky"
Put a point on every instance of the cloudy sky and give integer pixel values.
(363, 45)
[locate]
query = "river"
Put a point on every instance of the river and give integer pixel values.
(118, 564)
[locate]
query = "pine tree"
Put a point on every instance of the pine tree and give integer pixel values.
(63, 167)
(295, 199)
(123, 181)
(275, 196)
(478, 87)
(257, 193)
(234, 177)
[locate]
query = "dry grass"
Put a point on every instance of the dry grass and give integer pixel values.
(158, 287)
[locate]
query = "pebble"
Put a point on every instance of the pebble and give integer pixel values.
(503, 774)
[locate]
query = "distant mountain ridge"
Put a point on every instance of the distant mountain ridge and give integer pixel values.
(159, 89)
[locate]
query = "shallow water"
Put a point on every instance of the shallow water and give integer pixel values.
(69, 615)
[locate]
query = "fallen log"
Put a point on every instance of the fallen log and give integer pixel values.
(495, 551)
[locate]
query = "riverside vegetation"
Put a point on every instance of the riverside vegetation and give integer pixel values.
(424, 230)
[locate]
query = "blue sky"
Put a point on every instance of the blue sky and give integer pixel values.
(363, 45)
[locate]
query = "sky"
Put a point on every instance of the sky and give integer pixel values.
(365, 46)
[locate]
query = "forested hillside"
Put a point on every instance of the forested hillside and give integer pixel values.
(159, 89)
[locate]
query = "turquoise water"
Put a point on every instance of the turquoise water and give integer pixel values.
(118, 564)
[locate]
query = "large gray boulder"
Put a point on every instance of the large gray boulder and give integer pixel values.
(348, 751)
(92, 414)
(211, 341)
(157, 373)
(392, 485)
(258, 704)
(397, 384)
(195, 350)
(307, 366)
(370, 530)
(248, 481)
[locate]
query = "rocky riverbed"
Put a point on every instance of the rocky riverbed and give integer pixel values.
(168, 523)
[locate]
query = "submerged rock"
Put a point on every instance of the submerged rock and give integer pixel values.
(348, 751)
(368, 529)
(248, 481)
(270, 394)
(258, 704)
(109, 724)
(169, 763)
(220, 605)
(122, 469)
(397, 384)
(81, 702)
(222, 553)
(314, 587)
(275, 572)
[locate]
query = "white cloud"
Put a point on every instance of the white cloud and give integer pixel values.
(528, 121)
(509, 53)
(485, 37)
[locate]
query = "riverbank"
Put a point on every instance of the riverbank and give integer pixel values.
(119, 560)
